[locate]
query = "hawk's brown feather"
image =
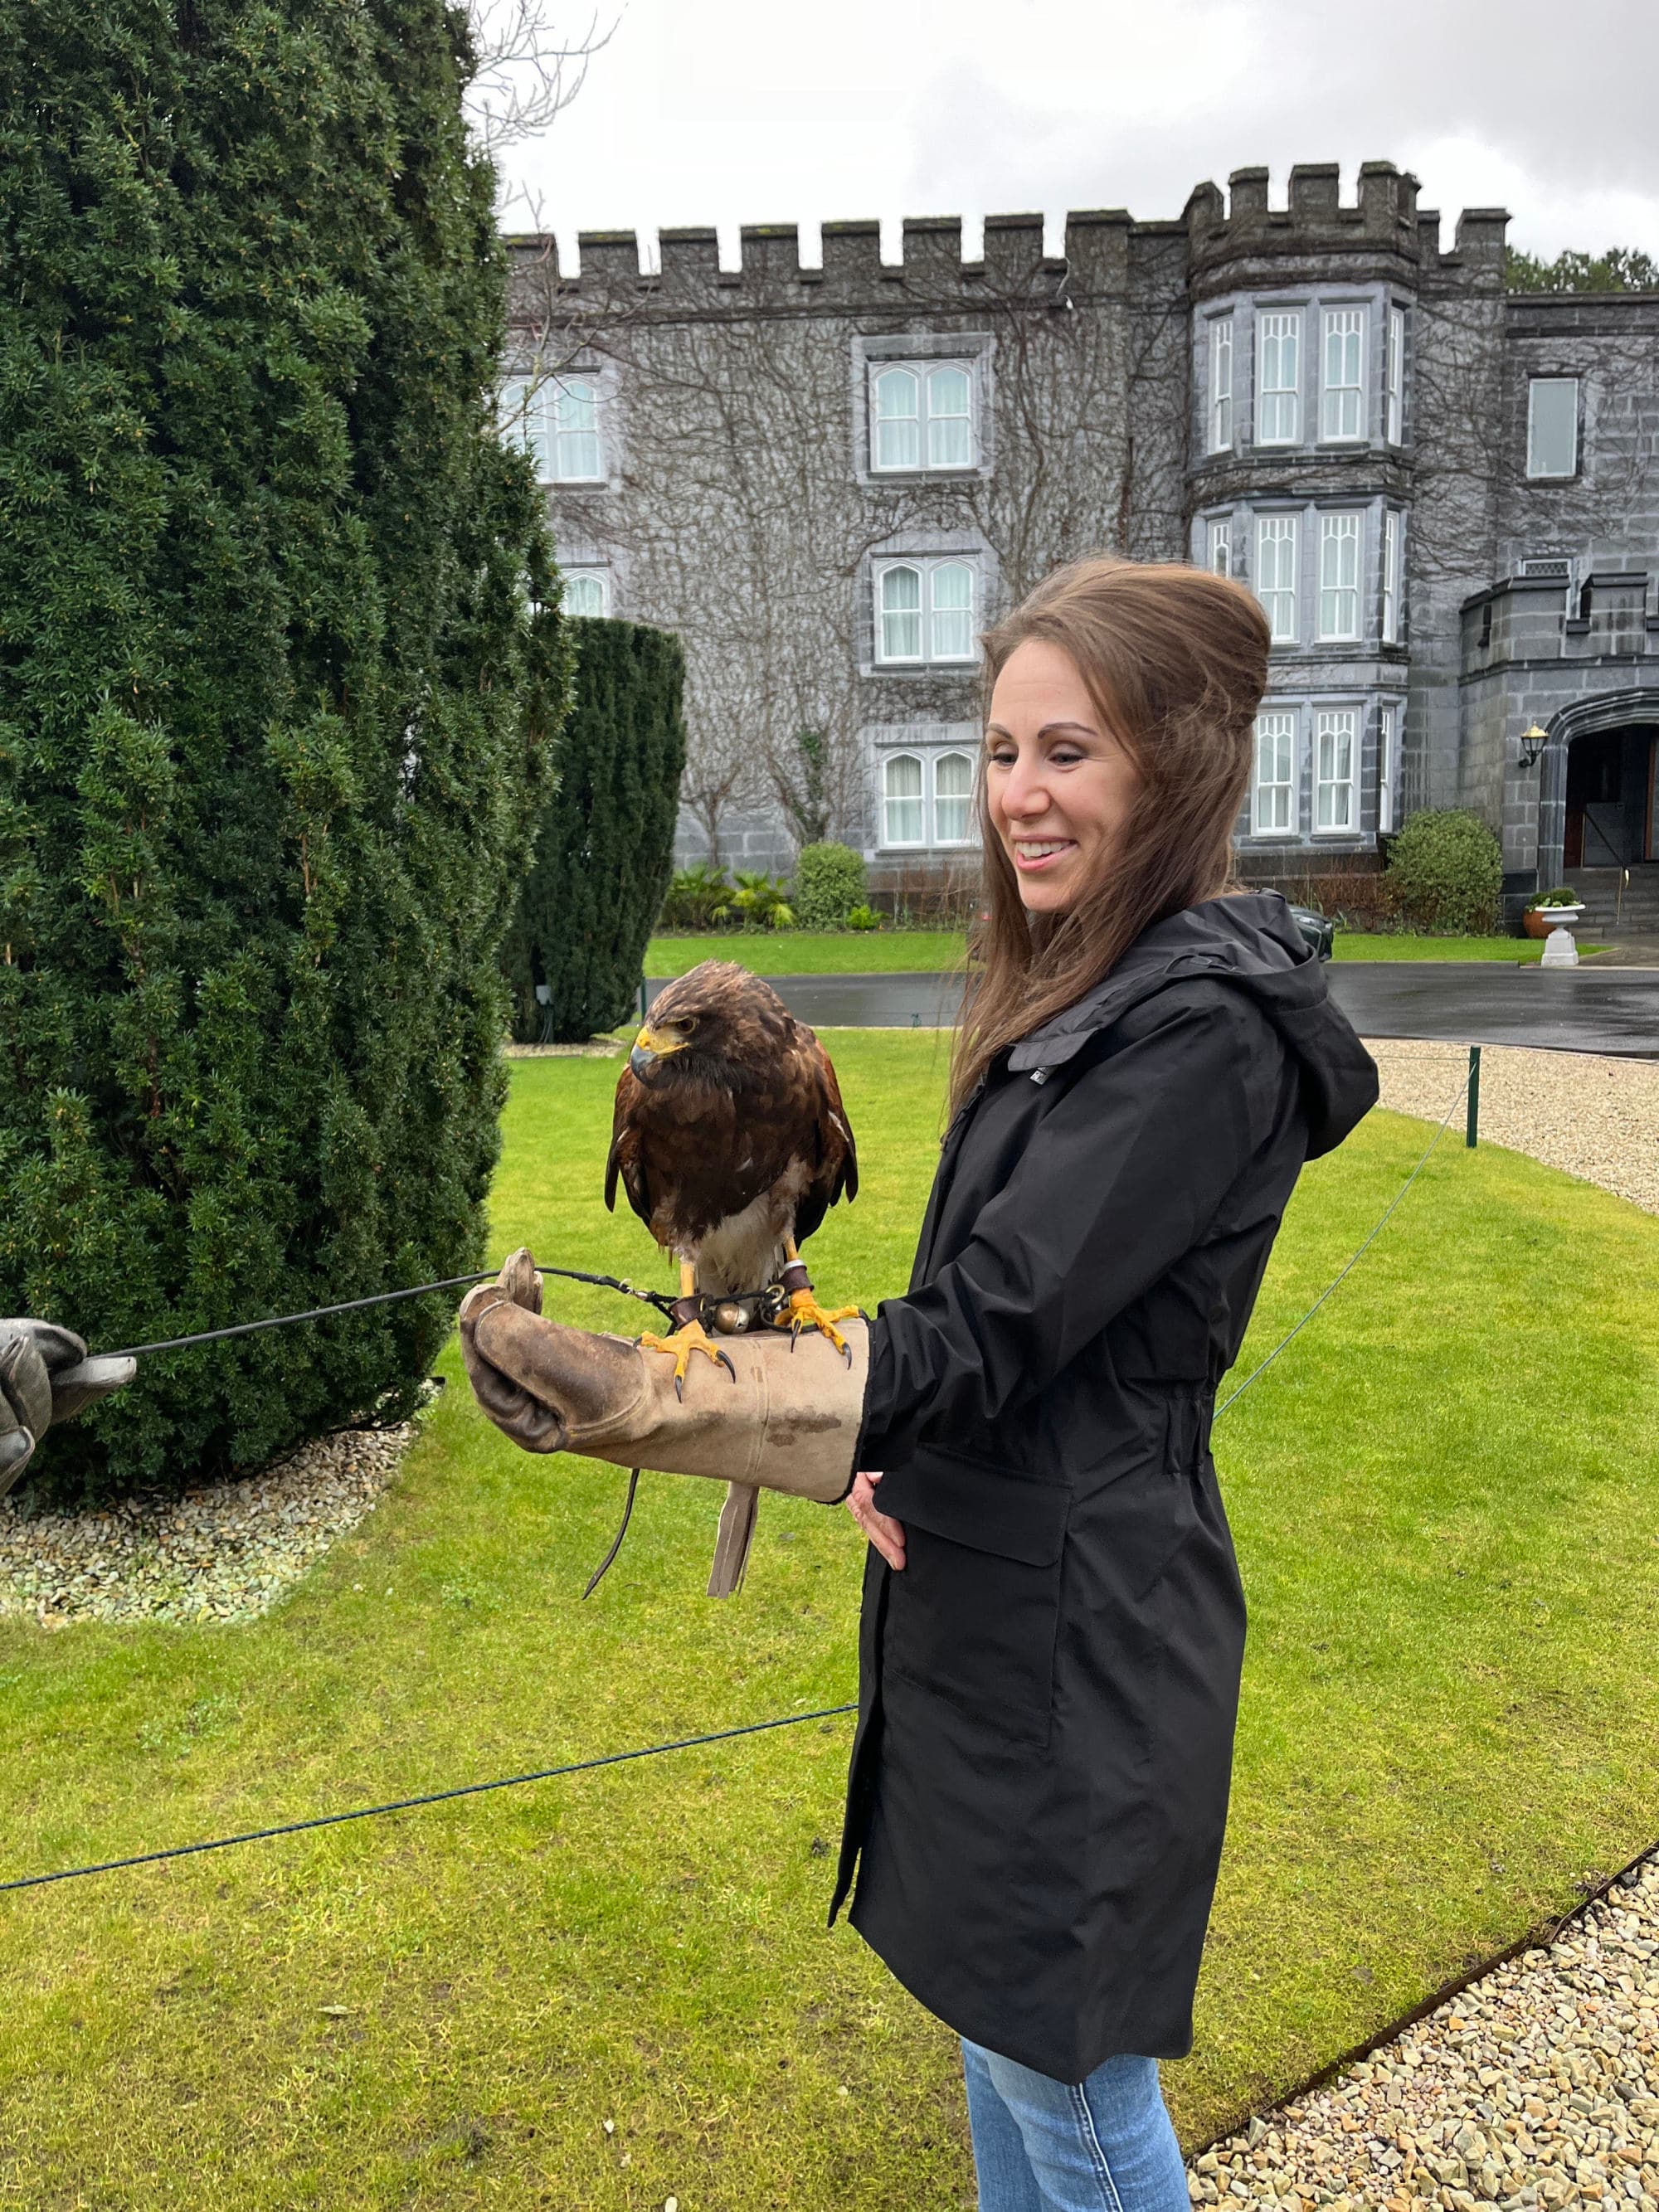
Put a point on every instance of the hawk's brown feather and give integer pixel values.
(733, 1137)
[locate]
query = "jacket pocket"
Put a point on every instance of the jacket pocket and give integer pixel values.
(975, 1617)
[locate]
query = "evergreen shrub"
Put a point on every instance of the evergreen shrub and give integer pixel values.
(606, 847)
(281, 665)
(1445, 869)
(828, 882)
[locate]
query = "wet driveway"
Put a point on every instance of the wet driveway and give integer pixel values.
(1607, 1010)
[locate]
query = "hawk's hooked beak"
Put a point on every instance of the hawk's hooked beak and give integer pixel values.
(651, 1046)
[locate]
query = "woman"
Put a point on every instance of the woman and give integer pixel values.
(1053, 1623)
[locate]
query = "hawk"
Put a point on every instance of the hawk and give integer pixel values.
(731, 1142)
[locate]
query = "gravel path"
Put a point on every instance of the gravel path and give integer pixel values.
(224, 1553)
(1592, 1116)
(1535, 2086)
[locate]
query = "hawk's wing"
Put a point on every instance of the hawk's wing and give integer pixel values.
(835, 1164)
(627, 1155)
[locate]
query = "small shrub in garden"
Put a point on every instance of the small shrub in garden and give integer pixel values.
(759, 903)
(828, 882)
(1446, 869)
(864, 917)
(695, 895)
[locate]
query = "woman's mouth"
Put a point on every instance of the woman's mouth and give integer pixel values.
(1031, 853)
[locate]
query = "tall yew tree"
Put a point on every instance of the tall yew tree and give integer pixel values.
(278, 670)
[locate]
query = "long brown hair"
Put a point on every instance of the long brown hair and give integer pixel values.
(1175, 660)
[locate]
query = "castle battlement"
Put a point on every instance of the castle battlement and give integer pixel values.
(1239, 241)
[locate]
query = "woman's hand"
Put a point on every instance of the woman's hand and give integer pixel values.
(883, 1531)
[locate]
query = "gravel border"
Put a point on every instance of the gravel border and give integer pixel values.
(1535, 2086)
(1586, 1113)
(225, 1553)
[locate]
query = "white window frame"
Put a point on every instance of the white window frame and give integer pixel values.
(1342, 399)
(1535, 385)
(918, 799)
(1341, 541)
(926, 567)
(937, 799)
(584, 573)
(1280, 789)
(1393, 573)
(561, 439)
(1221, 384)
(921, 374)
(1220, 539)
(1279, 404)
(1335, 723)
(1280, 601)
(1387, 766)
(1394, 366)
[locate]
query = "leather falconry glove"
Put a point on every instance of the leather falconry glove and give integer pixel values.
(786, 1418)
(45, 1377)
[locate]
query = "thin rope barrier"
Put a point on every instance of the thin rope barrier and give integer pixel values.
(657, 1298)
(648, 1751)
(432, 1798)
(1353, 1260)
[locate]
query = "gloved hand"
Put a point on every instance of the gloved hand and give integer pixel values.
(45, 1377)
(788, 1421)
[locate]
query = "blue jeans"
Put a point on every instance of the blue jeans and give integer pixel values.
(1105, 2145)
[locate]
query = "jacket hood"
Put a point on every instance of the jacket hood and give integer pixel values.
(1252, 943)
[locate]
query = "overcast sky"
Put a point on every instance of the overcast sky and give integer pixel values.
(762, 111)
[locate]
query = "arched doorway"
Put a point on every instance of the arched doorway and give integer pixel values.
(1598, 806)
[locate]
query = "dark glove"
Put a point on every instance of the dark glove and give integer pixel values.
(45, 1377)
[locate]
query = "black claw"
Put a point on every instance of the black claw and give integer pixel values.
(847, 1354)
(680, 1388)
(726, 1364)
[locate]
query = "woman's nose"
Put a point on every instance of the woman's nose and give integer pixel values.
(1026, 792)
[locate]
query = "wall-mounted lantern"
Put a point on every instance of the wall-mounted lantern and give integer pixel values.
(1533, 742)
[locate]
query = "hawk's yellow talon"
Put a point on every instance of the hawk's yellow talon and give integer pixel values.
(682, 1343)
(804, 1312)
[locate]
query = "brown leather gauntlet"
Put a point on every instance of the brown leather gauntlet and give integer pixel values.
(785, 1418)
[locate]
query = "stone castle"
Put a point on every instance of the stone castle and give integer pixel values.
(828, 479)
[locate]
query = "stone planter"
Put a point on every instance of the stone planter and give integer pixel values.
(1539, 921)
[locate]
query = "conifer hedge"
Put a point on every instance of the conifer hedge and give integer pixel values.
(278, 667)
(606, 846)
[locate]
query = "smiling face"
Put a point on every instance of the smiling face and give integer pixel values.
(1059, 785)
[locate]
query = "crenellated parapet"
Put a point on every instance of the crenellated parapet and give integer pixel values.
(1106, 251)
(1238, 241)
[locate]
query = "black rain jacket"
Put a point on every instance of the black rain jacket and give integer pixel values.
(1048, 1690)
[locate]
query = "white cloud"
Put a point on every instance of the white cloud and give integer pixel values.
(736, 110)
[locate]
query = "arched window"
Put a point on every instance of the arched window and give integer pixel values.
(953, 792)
(901, 612)
(952, 595)
(576, 457)
(921, 416)
(584, 591)
(898, 419)
(901, 800)
(949, 430)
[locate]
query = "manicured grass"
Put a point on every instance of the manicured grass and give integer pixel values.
(896, 951)
(1445, 1500)
(812, 952)
(1520, 951)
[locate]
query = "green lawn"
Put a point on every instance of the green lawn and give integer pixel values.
(1444, 1499)
(812, 952)
(891, 952)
